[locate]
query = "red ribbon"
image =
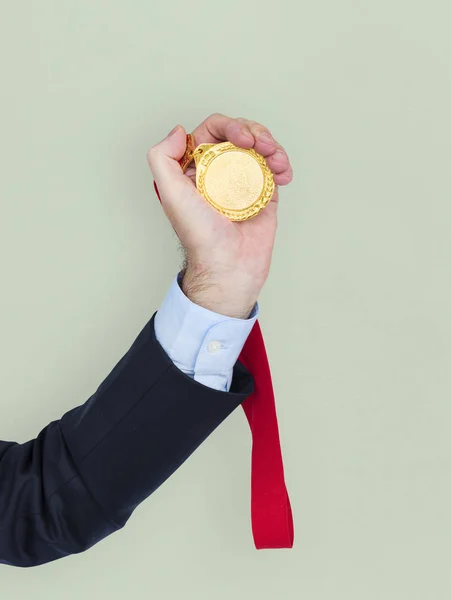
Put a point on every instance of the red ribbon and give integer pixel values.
(272, 520)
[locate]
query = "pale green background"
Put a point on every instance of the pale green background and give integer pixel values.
(356, 313)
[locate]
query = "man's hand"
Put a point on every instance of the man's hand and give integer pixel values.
(227, 262)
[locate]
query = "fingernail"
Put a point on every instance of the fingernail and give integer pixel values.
(279, 155)
(265, 137)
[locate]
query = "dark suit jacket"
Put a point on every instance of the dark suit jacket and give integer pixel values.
(83, 476)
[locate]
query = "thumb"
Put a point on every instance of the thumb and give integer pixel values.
(163, 162)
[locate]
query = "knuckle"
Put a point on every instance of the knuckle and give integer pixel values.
(215, 116)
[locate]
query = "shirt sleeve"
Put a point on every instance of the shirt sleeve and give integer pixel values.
(203, 344)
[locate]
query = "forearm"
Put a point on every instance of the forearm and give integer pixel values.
(84, 475)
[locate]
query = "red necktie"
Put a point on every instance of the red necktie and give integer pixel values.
(272, 520)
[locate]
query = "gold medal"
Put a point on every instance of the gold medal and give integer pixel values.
(236, 182)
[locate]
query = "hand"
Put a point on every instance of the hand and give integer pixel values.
(227, 263)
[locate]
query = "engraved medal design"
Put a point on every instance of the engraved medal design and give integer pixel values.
(235, 181)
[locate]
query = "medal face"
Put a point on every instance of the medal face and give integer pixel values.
(235, 181)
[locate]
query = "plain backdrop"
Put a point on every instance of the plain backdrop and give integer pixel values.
(356, 313)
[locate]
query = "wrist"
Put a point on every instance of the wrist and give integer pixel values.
(227, 292)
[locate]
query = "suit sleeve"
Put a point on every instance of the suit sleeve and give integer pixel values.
(82, 477)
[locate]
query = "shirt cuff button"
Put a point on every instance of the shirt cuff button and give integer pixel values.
(214, 347)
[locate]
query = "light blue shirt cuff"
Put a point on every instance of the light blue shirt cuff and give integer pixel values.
(203, 344)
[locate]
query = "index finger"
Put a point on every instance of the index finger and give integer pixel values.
(219, 128)
(246, 134)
